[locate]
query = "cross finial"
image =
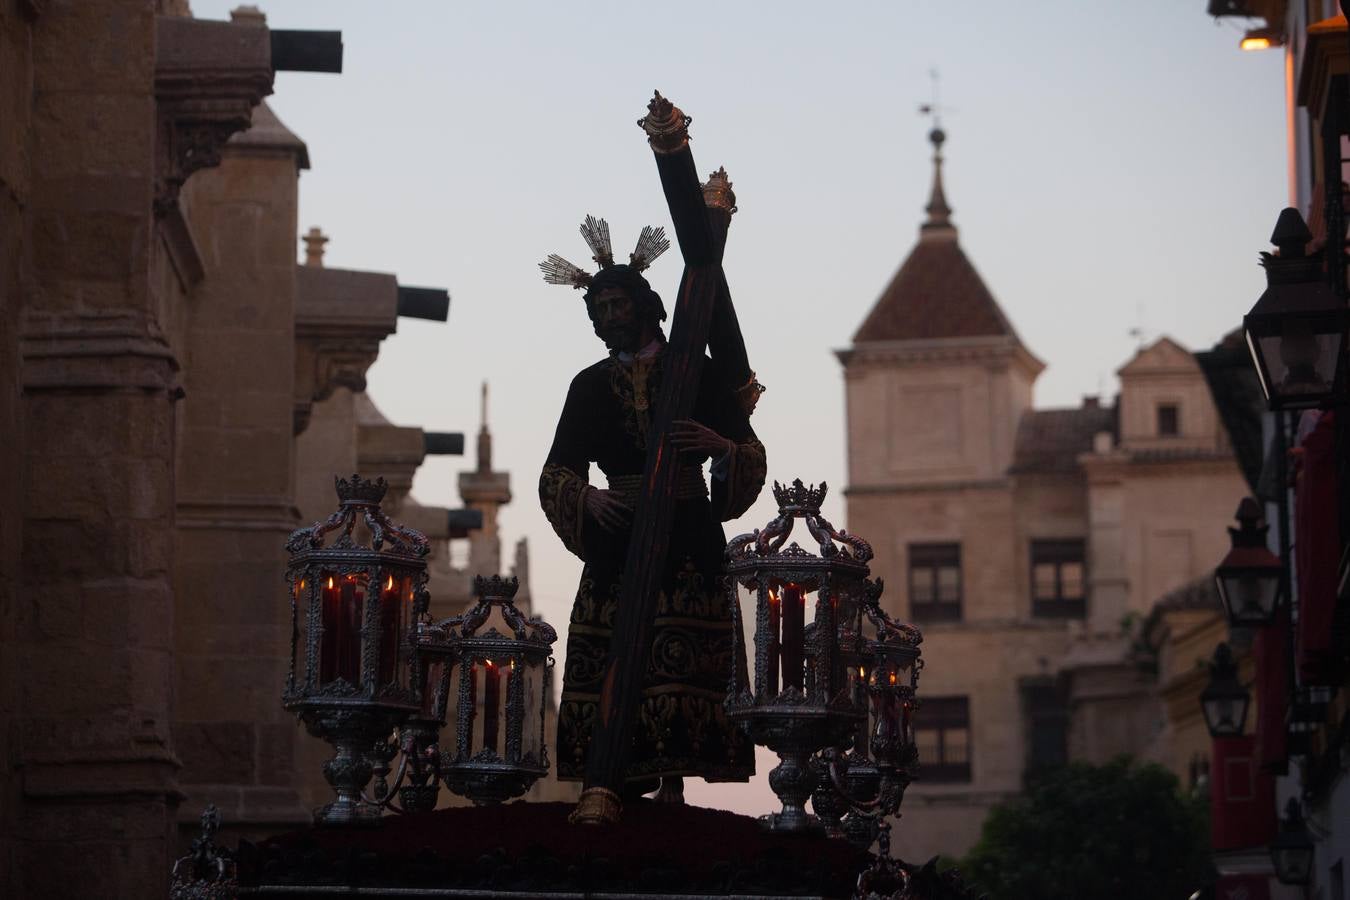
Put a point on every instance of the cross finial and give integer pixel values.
(939, 213)
(314, 240)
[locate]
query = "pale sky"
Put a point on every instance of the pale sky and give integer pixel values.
(1110, 165)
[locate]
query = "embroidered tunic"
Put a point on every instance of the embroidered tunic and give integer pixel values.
(681, 728)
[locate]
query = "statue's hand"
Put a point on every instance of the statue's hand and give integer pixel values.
(689, 436)
(607, 509)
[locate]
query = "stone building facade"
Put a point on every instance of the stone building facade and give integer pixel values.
(1029, 544)
(168, 378)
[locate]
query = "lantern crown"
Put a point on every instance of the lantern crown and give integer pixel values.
(798, 499)
(495, 586)
(1292, 264)
(1251, 530)
(358, 490)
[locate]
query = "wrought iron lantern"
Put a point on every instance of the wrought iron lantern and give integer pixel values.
(867, 779)
(1292, 850)
(803, 697)
(1297, 330)
(356, 582)
(1250, 577)
(1224, 700)
(500, 670)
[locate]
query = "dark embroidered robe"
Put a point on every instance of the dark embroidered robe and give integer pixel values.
(681, 727)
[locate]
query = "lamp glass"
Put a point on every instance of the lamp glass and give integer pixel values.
(1248, 595)
(1293, 863)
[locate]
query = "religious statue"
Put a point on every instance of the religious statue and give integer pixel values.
(679, 727)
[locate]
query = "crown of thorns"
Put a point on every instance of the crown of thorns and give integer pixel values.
(651, 243)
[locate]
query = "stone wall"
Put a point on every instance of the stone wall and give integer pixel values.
(236, 499)
(96, 779)
(16, 111)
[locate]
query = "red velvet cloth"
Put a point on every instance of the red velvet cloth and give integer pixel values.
(1241, 796)
(1270, 649)
(1317, 551)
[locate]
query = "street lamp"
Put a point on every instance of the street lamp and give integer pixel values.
(1224, 700)
(1292, 850)
(1250, 575)
(1297, 330)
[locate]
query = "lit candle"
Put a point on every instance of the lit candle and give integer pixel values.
(349, 631)
(859, 693)
(771, 682)
(794, 624)
(491, 700)
(389, 622)
(331, 616)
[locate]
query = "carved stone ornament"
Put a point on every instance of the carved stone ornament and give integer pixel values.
(208, 78)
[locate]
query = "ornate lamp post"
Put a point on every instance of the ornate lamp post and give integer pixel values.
(815, 705)
(1250, 576)
(1297, 330)
(500, 672)
(1224, 700)
(867, 780)
(356, 582)
(1292, 850)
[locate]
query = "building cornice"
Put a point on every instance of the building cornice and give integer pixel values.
(208, 77)
(1002, 349)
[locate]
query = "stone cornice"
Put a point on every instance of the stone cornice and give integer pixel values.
(208, 78)
(999, 349)
(107, 352)
(860, 490)
(341, 316)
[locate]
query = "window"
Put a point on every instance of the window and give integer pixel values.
(1047, 727)
(935, 582)
(942, 732)
(1169, 420)
(1058, 579)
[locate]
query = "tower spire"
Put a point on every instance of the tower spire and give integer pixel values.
(939, 213)
(484, 436)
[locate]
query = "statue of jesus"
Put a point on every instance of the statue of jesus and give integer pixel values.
(680, 727)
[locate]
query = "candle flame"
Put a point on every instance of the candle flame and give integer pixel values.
(330, 582)
(892, 678)
(302, 584)
(513, 665)
(773, 598)
(862, 673)
(489, 663)
(389, 585)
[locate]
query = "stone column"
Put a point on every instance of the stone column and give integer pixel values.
(95, 779)
(236, 500)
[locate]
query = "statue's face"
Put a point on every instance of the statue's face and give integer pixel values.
(614, 316)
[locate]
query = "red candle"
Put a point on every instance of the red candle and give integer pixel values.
(389, 622)
(330, 620)
(794, 624)
(771, 676)
(491, 698)
(349, 630)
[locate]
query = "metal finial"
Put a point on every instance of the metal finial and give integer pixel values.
(939, 213)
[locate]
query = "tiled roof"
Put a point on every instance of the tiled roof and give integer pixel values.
(1050, 440)
(936, 294)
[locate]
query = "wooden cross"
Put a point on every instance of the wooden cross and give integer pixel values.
(703, 298)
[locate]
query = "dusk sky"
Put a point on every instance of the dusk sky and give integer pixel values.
(1110, 166)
